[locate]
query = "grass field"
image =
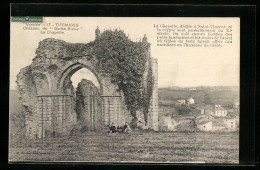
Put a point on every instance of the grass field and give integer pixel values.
(139, 146)
(135, 147)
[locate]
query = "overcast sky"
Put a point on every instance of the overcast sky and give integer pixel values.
(177, 66)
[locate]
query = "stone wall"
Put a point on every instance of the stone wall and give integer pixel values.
(153, 110)
(47, 93)
(88, 106)
(115, 110)
(55, 115)
(97, 112)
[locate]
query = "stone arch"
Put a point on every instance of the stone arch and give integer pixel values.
(54, 64)
(70, 69)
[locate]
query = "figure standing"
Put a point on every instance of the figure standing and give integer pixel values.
(144, 38)
(97, 32)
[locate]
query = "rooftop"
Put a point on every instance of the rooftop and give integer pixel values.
(204, 122)
(220, 109)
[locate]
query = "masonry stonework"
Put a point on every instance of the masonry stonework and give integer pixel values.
(153, 109)
(48, 96)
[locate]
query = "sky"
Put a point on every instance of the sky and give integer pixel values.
(177, 66)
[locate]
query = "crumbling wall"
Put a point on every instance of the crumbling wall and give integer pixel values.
(39, 79)
(49, 75)
(88, 106)
(27, 91)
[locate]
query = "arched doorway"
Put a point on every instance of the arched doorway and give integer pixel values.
(87, 100)
(84, 87)
(64, 82)
(107, 99)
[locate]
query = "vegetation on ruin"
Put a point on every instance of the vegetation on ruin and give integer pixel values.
(125, 62)
(62, 50)
(207, 99)
(79, 104)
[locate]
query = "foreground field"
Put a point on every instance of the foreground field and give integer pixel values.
(135, 147)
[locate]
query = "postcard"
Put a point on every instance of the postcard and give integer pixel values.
(124, 89)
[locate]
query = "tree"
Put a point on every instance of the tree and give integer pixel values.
(207, 99)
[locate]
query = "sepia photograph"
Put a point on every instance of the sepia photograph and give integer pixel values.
(124, 89)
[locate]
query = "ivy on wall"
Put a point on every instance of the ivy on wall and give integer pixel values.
(125, 62)
(80, 103)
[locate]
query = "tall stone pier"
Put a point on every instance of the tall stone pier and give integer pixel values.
(153, 109)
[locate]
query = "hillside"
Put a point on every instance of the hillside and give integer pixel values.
(219, 97)
(15, 112)
(15, 105)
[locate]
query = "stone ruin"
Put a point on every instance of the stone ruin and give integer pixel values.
(48, 96)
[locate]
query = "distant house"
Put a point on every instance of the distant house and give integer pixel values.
(233, 116)
(220, 112)
(209, 110)
(205, 126)
(231, 124)
(217, 105)
(204, 118)
(236, 104)
(181, 101)
(230, 110)
(201, 109)
(167, 124)
(185, 119)
(190, 100)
